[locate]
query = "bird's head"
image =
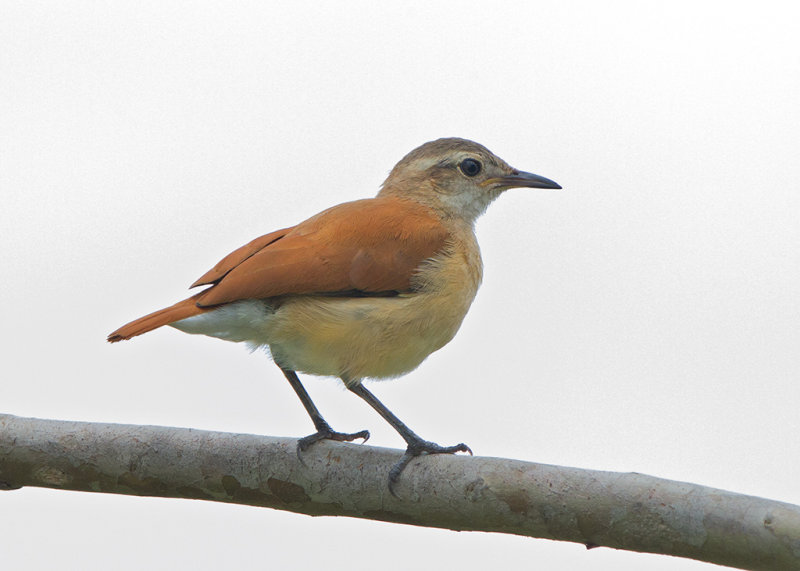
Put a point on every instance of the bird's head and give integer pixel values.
(456, 177)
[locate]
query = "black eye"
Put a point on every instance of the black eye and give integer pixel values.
(470, 167)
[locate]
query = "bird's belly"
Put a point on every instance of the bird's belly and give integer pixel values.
(351, 338)
(354, 338)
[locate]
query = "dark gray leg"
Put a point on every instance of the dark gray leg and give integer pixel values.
(416, 445)
(324, 431)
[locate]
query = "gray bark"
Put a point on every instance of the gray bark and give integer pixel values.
(620, 510)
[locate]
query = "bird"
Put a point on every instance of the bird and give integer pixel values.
(363, 290)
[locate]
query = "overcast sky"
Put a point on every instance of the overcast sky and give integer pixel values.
(645, 318)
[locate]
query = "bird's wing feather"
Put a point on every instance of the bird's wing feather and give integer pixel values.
(238, 256)
(373, 245)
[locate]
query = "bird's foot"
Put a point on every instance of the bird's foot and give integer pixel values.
(325, 433)
(419, 448)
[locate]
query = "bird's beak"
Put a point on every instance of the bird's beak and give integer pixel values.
(519, 179)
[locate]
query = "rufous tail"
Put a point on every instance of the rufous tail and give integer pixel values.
(181, 310)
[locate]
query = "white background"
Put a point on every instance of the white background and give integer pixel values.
(645, 318)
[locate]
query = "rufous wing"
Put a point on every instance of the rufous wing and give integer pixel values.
(238, 256)
(370, 246)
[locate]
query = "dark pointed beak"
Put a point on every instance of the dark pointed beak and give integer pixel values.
(519, 179)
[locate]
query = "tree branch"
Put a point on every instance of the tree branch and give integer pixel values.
(621, 510)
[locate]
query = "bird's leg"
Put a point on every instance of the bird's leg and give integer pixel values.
(416, 445)
(324, 431)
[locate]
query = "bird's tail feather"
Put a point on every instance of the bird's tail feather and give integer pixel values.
(181, 310)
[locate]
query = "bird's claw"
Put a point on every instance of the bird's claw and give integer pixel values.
(420, 448)
(327, 434)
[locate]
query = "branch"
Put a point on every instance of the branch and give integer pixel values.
(621, 510)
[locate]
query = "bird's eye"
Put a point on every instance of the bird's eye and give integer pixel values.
(470, 167)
